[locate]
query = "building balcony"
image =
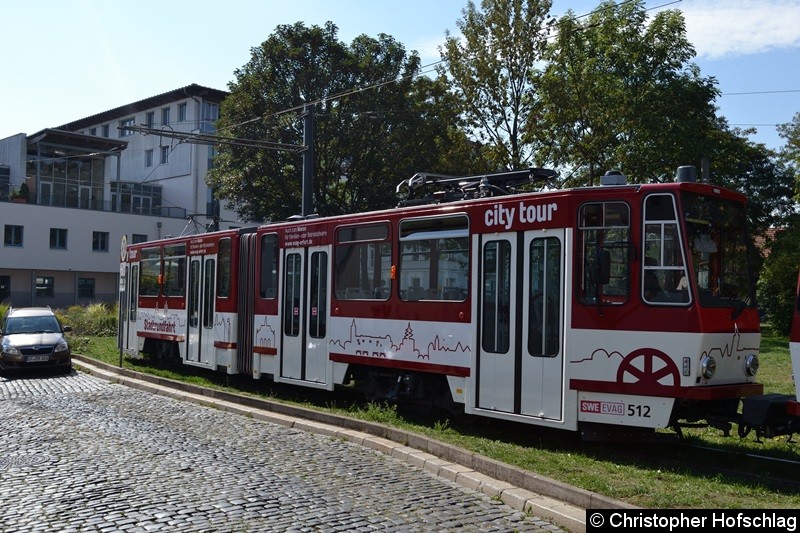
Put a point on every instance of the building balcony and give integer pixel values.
(91, 204)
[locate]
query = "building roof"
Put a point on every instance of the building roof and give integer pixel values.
(193, 90)
(73, 140)
(764, 241)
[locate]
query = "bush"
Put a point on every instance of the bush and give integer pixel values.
(97, 319)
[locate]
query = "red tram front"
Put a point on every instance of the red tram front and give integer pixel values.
(590, 308)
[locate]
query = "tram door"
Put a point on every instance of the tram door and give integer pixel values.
(200, 309)
(124, 325)
(520, 358)
(304, 316)
(131, 295)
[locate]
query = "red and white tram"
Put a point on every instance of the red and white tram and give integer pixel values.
(583, 309)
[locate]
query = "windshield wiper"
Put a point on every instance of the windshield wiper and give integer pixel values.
(740, 308)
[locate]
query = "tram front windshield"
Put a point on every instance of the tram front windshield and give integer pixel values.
(717, 242)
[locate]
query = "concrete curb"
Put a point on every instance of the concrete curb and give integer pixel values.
(525, 491)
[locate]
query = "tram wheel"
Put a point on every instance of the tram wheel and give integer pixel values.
(744, 430)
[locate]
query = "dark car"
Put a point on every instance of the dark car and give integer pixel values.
(33, 338)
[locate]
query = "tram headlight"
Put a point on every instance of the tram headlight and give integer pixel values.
(708, 367)
(751, 365)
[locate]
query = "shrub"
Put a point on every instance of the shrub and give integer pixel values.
(97, 319)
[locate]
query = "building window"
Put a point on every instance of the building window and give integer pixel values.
(5, 181)
(86, 288)
(12, 235)
(68, 177)
(132, 197)
(210, 116)
(58, 238)
(5, 287)
(164, 155)
(148, 158)
(165, 116)
(150, 119)
(182, 109)
(124, 124)
(93, 132)
(45, 286)
(100, 241)
(138, 237)
(105, 130)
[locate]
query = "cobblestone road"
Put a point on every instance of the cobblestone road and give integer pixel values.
(81, 454)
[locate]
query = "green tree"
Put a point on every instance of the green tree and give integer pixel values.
(492, 70)
(778, 280)
(777, 283)
(618, 92)
(755, 171)
(377, 122)
(790, 153)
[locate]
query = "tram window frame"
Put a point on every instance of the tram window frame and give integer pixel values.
(604, 253)
(268, 276)
(363, 262)
(134, 296)
(224, 267)
(174, 266)
(318, 295)
(150, 271)
(194, 292)
(428, 248)
(496, 296)
(664, 274)
(292, 294)
(209, 271)
(544, 279)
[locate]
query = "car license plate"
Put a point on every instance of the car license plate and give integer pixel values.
(37, 358)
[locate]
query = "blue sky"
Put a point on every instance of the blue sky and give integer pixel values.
(65, 60)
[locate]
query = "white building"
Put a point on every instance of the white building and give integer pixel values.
(90, 184)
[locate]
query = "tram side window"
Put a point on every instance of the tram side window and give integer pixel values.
(175, 270)
(292, 286)
(604, 256)
(544, 325)
(150, 273)
(268, 285)
(224, 274)
(317, 309)
(363, 263)
(496, 283)
(194, 292)
(208, 296)
(664, 276)
(134, 288)
(434, 258)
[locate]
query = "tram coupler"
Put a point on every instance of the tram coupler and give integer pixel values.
(770, 415)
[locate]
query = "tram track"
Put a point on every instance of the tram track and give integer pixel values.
(750, 467)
